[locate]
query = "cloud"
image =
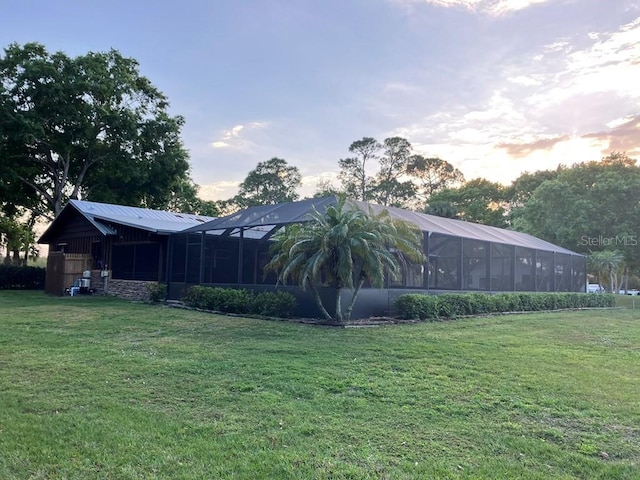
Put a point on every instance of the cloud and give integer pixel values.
(490, 7)
(223, 190)
(502, 7)
(235, 137)
(577, 102)
(497, 119)
(610, 66)
(310, 183)
(525, 149)
(218, 191)
(561, 45)
(624, 136)
(527, 81)
(574, 91)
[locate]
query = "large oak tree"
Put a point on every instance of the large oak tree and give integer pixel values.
(86, 127)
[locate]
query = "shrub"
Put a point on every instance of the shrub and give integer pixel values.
(504, 302)
(454, 304)
(274, 304)
(13, 277)
(193, 297)
(231, 300)
(219, 299)
(451, 305)
(235, 301)
(157, 292)
(415, 306)
(483, 303)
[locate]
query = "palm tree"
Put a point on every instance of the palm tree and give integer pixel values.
(607, 262)
(344, 247)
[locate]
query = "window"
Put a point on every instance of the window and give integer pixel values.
(220, 261)
(194, 242)
(411, 275)
(178, 258)
(474, 265)
(525, 270)
(544, 271)
(136, 262)
(579, 273)
(502, 257)
(563, 272)
(444, 262)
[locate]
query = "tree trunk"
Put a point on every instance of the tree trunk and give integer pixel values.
(339, 304)
(611, 285)
(316, 297)
(347, 314)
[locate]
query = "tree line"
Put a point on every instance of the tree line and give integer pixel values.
(589, 207)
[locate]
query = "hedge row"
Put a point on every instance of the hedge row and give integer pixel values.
(229, 300)
(451, 305)
(13, 277)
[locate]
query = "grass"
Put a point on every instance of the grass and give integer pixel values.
(97, 388)
(628, 301)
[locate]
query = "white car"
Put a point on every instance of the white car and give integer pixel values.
(633, 291)
(595, 288)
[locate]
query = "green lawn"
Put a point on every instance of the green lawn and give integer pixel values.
(94, 387)
(628, 301)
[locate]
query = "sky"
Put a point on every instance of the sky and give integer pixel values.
(495, 87)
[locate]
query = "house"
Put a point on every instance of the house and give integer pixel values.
(134, 246)
(129, 243)
(462, 256)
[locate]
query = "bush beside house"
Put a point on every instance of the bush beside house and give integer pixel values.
(13, 277)
(229, 300)
(451, 305)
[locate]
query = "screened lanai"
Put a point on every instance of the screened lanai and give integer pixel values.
(461, 256)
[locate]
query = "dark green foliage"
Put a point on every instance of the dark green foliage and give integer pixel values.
(343, 248)
(88, 127)
(532, 303)
(589, 207)
(479, 200)
(21, 278)
(157, 292)
(507, 302)
(451, 305)
(219, 299)
(404, 178)
(417, 306)
(230, 300)
(271, 182)
(274, 304)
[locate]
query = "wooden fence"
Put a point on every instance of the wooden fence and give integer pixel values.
(63, 269)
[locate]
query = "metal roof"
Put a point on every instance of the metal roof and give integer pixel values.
(296, 212)
(156, 221)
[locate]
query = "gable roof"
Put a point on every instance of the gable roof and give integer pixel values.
(296, 212)
(101, 215)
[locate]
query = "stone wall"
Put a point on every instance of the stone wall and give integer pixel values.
(129, 289)
(97, 282)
